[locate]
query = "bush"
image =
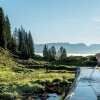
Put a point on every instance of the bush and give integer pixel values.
(78, 61)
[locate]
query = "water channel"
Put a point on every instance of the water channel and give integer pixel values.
(87, 86)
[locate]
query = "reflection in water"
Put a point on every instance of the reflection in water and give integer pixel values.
(54, 96)
(88, 85)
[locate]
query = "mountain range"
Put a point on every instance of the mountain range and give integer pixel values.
(71, 48)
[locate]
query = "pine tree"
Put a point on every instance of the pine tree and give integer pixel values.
(25, 43)
(16, 36)
(62, 54)
(7, 31)
(30, 45)
(52, 53)
(12, 45)
(49, 56)
(45, 52)
(23, 39)
(25, 51)
(2, 31)
(20, 39)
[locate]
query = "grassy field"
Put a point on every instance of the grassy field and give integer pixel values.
(29, 81)
(15, 79)
(25, 76)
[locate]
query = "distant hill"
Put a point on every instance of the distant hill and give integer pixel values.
(71, 48)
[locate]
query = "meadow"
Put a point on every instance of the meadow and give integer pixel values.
(17, 80)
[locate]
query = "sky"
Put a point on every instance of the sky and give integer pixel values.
(74, 21)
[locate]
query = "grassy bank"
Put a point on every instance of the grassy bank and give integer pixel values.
(18, 81)
(32, 82)
(24, 76)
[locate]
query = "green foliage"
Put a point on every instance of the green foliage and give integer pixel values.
(24, 40)
(45, 52)
(30, 45)
(78, 61)
(62, 54)
(17, 81)
(6, 40)
(25, 45)
(2, 29)
(12, 45)
(7, 31)
(52, 53)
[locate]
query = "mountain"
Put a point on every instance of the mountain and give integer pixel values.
(71, 48)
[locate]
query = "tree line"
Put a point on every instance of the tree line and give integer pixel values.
(52, 54)
(19, 42)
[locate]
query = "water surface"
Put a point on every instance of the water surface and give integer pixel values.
(87, 85)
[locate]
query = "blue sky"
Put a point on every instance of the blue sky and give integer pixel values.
(56, 20)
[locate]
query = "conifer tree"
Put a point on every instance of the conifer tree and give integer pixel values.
(12, 45)
(62, 54)
(2, 31)
(30, 45)
(20, 39)
(45, 52)
(25, 43)
(7, 32)
(52, 53)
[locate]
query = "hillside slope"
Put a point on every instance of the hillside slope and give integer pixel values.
(16, 80)
(6, 60)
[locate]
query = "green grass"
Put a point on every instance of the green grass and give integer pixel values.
(8, 76)
(12, 72)
(15, 79)
(26, 81)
